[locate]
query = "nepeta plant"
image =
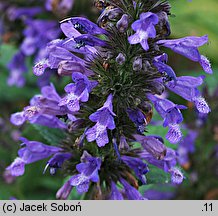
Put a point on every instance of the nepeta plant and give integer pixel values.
(118, 74)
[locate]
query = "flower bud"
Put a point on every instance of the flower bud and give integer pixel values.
(123, 23)
(137, 64)
(120, 59)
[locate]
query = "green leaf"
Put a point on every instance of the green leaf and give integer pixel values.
(157, 176)
(53, 136)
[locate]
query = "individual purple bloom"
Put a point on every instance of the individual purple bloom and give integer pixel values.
(140, 168)
(165, 163)
(104, 120)
(89, 52)
(130, 191)
(68, 29)
(186, 87)
(123, 23)
(137, 64)
(17, 118)
(30, 152)
(88, 170)
(164, 22)
(145, 28)
(34, 117)
(17, 168)
(169, 111)
(57, 54)
(111, 15)
(84, 25)
(120, 59)
(176, 176)
(66, 68)
(40, 67)
(115, 193)
(186, 146)
(64, 192)
(17, 68)
(138, 118)
(87, 39)
(152, 145)
(33, 151)
(56, 162)
(188, 47)
(42, 110)
(164, 68)
(76, 92)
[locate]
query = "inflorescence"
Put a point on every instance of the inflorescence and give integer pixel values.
(119, 73)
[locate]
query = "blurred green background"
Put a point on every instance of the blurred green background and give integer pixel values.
(196, 17)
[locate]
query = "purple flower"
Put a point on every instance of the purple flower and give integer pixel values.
(137, 64)
(165, 163)
(130, 191)
(42, 110)
(17, 168)
(88, 172)
(188, 47)
(169, 111)
(123, 23)
(40, 67)
(152, 145)
(159, 63)
(186, 87)
(176, 176)
(57, 54)
(138, 118)
(64, 192)
(84, 25)
(30, 152)
(172, 116)
(104, 120)
(77, 91)
(120, 59)
(145, 28)
(115, 193)
(164, 23)
(66, 68)
(140, 168)
(87, 39)
(56, 162)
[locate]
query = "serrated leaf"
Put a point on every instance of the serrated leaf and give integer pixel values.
(53, 136)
